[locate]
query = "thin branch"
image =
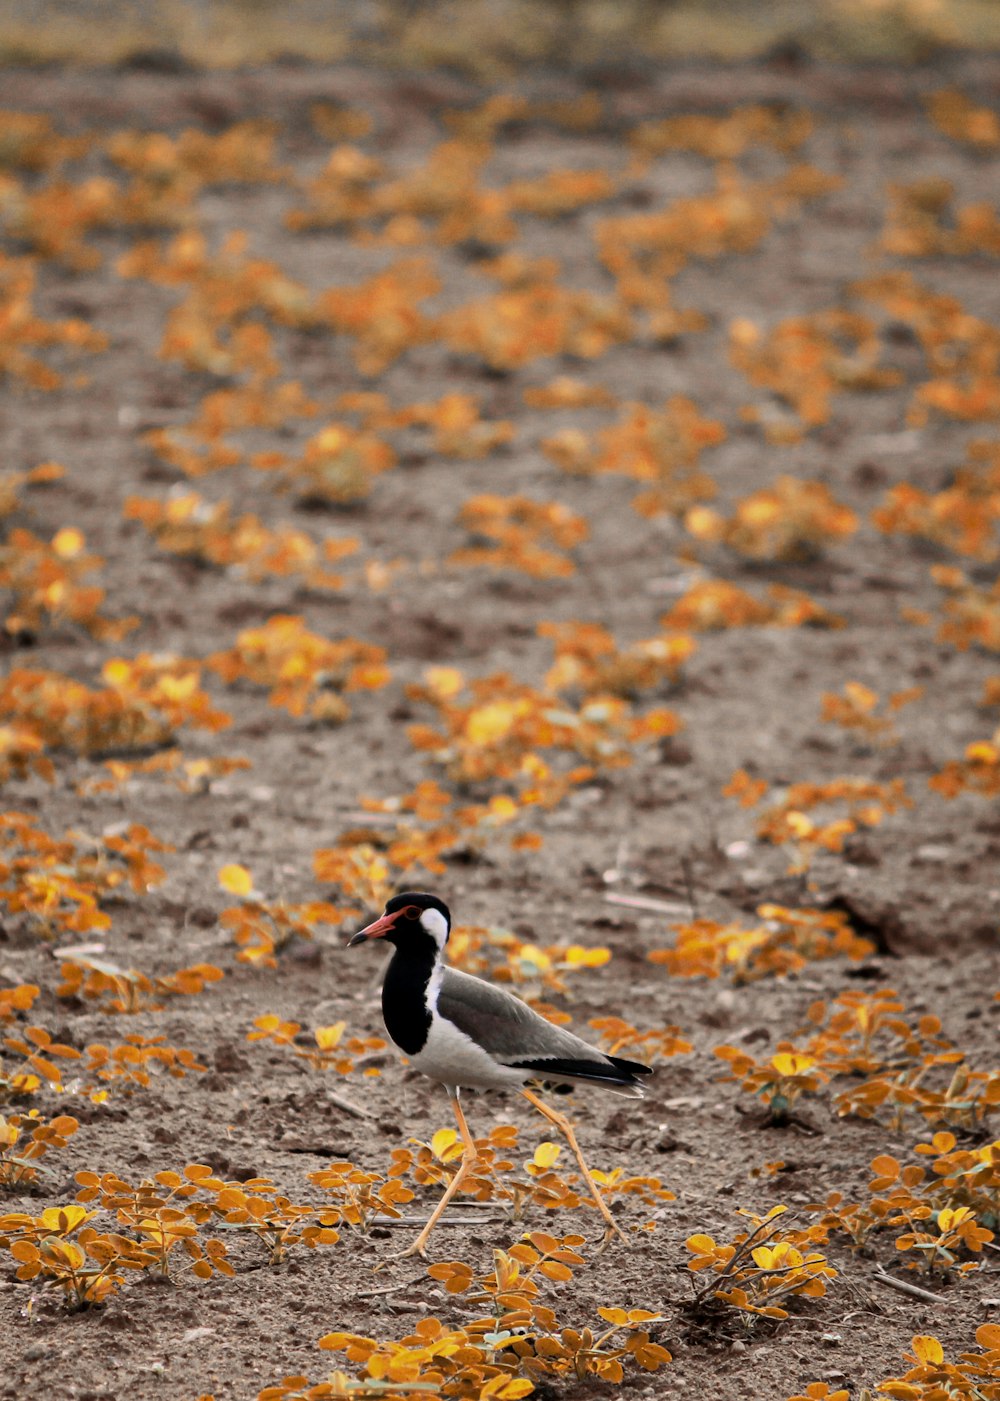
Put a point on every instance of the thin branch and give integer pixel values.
(903, 1287)
(643, 902)
(348, 1107)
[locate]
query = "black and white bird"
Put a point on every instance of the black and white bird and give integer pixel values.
(469, 1034)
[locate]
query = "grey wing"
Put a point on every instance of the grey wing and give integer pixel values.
(506, 1027)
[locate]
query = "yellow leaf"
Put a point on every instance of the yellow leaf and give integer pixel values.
(329, 1036)
(61, 1220)
(67, 542)
(236, 879)
(926, 1348)
(444, 681)
(442, 1141)
(546, 1155)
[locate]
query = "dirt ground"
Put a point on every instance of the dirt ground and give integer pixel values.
(923, 885)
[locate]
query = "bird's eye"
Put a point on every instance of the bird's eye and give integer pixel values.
(412, 912)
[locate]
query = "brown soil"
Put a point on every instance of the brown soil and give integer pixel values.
(923, 885)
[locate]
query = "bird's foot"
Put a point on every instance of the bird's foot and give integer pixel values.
(418, 1247)
(611, 1230)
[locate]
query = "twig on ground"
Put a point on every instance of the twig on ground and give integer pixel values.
(644, 902)
(348, 1106)
(390, 1288)
(914, 1290)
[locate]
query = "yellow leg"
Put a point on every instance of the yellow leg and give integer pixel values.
(566, 1129)
(469, 1159)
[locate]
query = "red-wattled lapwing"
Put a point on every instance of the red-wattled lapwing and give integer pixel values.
(468, 1034)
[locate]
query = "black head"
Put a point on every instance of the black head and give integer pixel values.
(412, 917)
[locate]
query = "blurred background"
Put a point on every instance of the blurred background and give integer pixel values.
(487, 38)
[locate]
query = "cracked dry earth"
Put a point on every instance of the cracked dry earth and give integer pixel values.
(628, 854)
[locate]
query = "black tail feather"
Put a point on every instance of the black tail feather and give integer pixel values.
(630, 1068)
(613, 1071)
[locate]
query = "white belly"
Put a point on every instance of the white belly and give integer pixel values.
(454, 1059)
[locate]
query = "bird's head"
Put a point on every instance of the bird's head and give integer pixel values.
(408, 917)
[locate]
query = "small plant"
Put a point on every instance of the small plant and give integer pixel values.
(806, 360)
(142, 704)
(977, 772)
(45, 580)
(361, 1198)
(307, 674)
(856, 709)
(760, 1269)
(793, 520)
(331, 1051)
(127, 990)
(25, 1139)
(661, 447)
(779, 1081)
(519, 531)
(974, 1377)
(87, 1268)
(716, 604)
(786, 941)
(261, 928)
(187, 525)
(868, 803)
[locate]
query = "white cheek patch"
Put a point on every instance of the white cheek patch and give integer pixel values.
(436, 925)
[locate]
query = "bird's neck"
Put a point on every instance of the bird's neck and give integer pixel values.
(405, 1006)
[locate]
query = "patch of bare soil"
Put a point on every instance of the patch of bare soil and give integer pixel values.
(922, 885)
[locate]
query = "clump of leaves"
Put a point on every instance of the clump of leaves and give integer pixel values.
(362, 1198)
(760, 1269)
(723, 136)
(25, 1139)
(261, 928)
(975, 1376)
(519, 1342)
(187, 525)
(938, 1237)
(338, 466)
(383, 314)
(963, 517)
(87, 1268)
(805, 360)
(779, 1081)
(521, 533)
(523, 323)
(957, 116)
(331, 1050)
(58, 884)
(307, 674)
(24, 331)
(588, 661)
(127, 990)
(856, 709)
(920, 224)
(143, 703)
(44, 579)
(715, 604)
(499, 729)
(187, 775)
(894, 1068)
(788, 821)
(457, 429)
(961, 349)
(793, 520)
(786, 941)
(661, 447)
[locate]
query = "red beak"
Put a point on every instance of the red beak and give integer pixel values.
(377, 930)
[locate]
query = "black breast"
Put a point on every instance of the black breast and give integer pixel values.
(404, 998)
